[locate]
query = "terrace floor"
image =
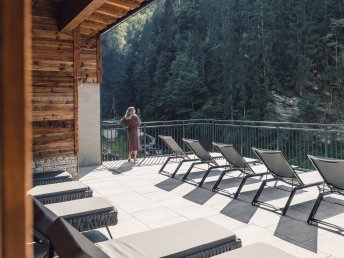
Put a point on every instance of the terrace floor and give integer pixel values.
(147, 200)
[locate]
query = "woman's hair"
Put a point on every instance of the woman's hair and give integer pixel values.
(129, 113)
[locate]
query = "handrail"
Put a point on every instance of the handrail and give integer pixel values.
(296, 140)
(231, 122)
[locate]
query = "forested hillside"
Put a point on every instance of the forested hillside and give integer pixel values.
(226, 59)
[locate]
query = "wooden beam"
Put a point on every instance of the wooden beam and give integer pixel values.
(87, 32)
(15, 129)
(93, 24)
(102, 17)
(144, 4)
(74, 12)
(118, 5)
(126, 4)
(106, 13)
(111, 10)
(99, 59)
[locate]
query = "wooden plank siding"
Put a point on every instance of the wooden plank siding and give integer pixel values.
(55, 79)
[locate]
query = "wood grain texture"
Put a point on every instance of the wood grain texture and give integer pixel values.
(61, 60)
(56, 72)
(74, 12)
(92, 15)
(15, 160)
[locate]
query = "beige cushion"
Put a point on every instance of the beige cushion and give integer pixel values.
(81, 207)
(259, 250)
(177, 240)
(59, 188)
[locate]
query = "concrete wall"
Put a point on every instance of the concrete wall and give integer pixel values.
(89, 124)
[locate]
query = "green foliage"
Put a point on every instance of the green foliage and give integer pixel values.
(221, 59)
(311, 107)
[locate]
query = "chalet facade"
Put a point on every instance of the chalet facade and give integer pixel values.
(49, 48)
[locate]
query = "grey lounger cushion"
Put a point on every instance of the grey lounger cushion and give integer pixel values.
(51, 177)
(86, 214)
(259, 250)
(61, 192)
(197, 238)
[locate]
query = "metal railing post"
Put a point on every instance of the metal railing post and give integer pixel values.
(241, 139)
(145, 139)
(183, 134)
(213, 133)
(326, 141)
(278, 137)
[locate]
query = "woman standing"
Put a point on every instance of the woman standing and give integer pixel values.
(131, 120)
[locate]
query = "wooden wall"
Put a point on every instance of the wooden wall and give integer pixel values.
(55, 78)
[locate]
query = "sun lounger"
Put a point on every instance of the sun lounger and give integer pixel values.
(195, 238)
(332, 171)
(84, 214)
(281, 170)
(236, 163)
(51, 177)
(61, 192)
(258, 250)
(178, 154)
(204, 157)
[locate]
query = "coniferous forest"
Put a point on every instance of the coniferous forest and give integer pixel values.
(224, 59)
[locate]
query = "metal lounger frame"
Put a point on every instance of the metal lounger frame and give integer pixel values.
(204, 158)
(178, 154)
(330, 189)
(237, 163)
(285, 168)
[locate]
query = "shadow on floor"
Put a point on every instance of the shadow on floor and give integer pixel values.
(149, 161)
(293, 226)
(202, 195)
(241, 209)
(105, 166)
(124, 167)
(169, 184)
(294, 229)
(230, 182)
(329, 208)
(199, 195)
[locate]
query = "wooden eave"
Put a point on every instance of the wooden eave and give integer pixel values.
(96, 16)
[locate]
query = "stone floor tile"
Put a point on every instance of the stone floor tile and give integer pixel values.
(226, 222)
(330, 243)
(197, 212)
(146, 199)
(155, 214)
(299, 250)
(251, 234)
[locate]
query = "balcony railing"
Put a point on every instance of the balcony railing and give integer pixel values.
(295, 140)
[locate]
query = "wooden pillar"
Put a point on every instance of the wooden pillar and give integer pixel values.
(15, 129)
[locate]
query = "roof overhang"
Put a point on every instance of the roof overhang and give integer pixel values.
(97, 16)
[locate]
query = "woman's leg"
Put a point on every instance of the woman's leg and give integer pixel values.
(135, 154)
(129, 156)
